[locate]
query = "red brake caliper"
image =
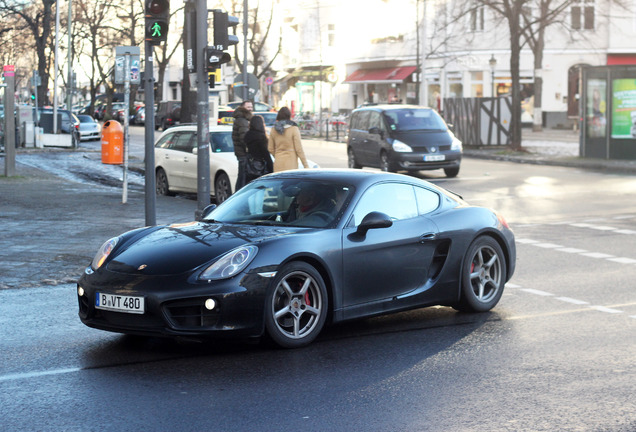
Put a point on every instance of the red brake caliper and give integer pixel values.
(307, 301)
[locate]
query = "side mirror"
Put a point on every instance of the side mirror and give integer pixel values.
(374, 220)
(206, 211)
(376, 130)
(195, 150)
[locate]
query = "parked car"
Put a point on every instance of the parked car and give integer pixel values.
(176, 161)
(89, 128)
(168, 114)
(140, 116)
(402, 138)
(225, 115)
(269, 117)
(258, 106)
(67, 123)
(377, 243)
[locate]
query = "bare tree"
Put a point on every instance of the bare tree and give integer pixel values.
(99, 39)
(37, 20)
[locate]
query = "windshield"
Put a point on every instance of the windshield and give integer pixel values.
(285, 202)
(414, 120)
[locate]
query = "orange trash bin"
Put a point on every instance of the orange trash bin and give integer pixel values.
(112, 143)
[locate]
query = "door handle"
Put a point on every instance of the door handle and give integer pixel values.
(427, 237)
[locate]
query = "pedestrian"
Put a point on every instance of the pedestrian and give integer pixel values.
(284, 143)
(256, 143)
(242, 115)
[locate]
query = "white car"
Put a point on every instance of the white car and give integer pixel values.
(176, 161)
(89, 129)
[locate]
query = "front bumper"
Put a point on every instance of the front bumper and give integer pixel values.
(417, 161)
(176, 306)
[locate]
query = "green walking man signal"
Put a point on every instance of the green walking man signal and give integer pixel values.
(157, 20)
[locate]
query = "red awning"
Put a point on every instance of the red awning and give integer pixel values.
(380, 76)
(621, 59)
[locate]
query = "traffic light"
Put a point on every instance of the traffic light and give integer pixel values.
(157, 20)
(222, 24)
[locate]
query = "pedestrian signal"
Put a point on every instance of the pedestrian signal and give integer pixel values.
(157, 20)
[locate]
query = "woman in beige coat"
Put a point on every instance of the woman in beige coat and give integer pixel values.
(284, 143)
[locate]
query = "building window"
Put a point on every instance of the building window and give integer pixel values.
(477, 19)
(331, 35)
(583, 15)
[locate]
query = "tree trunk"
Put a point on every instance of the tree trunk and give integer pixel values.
(515, 53)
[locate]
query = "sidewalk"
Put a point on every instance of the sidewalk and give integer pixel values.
(555, 147)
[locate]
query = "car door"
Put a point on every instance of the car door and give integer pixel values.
(357, 136)
(170, 152)
(374, 140)
(186, 160)
(387, 262)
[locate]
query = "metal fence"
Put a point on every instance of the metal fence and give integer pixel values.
(480, 121)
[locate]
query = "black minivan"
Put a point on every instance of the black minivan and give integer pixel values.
(402, 138)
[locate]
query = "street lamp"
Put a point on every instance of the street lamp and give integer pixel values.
(493, 64)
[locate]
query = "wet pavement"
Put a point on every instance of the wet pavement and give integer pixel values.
(63, 204)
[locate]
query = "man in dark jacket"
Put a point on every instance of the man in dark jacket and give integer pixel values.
(242, 116)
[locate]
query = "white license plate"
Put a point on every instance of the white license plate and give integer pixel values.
(434, 158)
(119, 303)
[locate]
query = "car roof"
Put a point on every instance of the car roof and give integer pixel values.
(390, 107)
(356, 177)
(193, 127)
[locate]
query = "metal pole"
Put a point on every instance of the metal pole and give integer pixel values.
(203, 110)
(124, 198)
(149, 125)
(245, 24)
(69, 96)
(57, 42)
(9, 121)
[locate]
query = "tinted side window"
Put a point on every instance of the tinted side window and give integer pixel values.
(395, 199)
(183, 142)
(427, 200)
(361, 120)
(221, 142)
(166, 141)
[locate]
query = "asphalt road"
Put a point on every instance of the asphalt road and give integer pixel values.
(556, 354)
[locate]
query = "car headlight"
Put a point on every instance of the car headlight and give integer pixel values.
(230, 264)
(399, 146)
(103, 253)
(456, 145)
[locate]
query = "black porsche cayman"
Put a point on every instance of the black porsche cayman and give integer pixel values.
(294, 250)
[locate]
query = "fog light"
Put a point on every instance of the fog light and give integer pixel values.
(80, 291)
(210, 304)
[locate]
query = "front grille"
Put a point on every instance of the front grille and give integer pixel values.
(191, 314)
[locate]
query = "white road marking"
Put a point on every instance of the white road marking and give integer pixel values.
(606, 309)
(537, 292)
(623, 260)
(27, 375)
(571, 300)
(597, 255)
(547, 245)
(571, 250)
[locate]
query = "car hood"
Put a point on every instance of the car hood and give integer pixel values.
(424, 139)
(181, 248)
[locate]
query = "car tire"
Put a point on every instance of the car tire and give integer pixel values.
(451, 172)
(483, 276)
(352, 162)
(296, 307)
(163, 187)
(222, 187)
(385, 163)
